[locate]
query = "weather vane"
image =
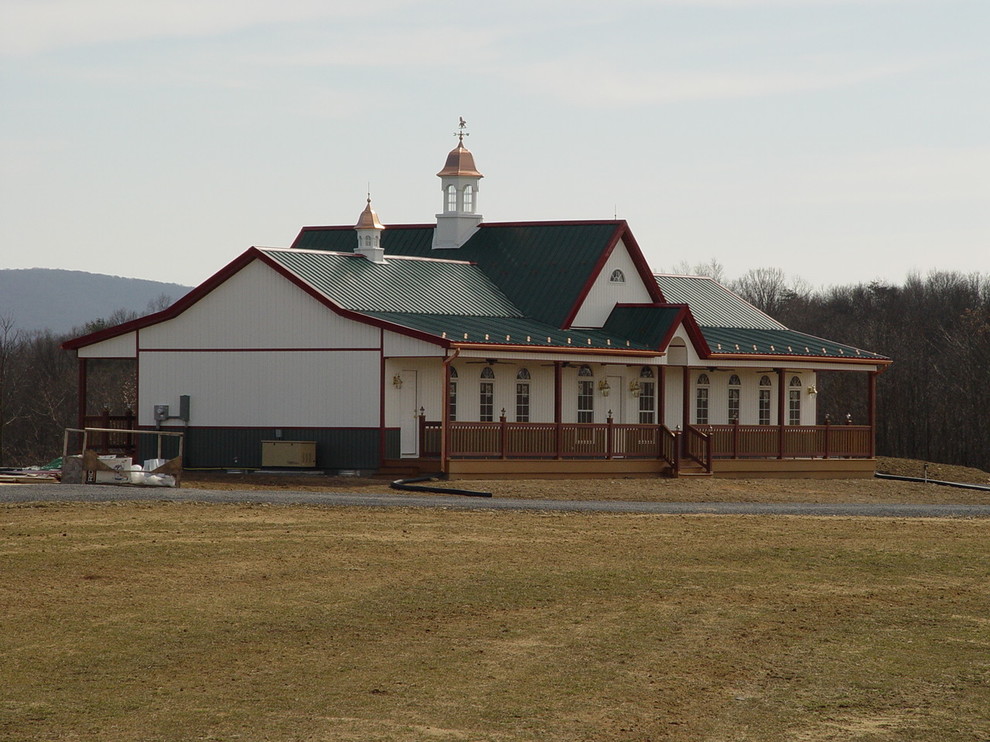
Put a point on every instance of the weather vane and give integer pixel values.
(461, 134)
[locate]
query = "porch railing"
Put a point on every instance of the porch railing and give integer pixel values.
(789, 442)
(505, 440)
(698, 443)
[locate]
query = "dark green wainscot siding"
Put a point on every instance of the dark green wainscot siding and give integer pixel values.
(230, 448)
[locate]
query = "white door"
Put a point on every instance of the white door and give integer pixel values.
(409, 415)
(615, 400)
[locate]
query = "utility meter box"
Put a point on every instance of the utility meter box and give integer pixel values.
(161, 412)
(283, 454)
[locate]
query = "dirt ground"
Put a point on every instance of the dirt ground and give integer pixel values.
(658, 489)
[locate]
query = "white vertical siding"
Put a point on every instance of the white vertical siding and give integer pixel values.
(605, 294)
(258, 308)
(395, 344)
(122, 346)
(249, 388)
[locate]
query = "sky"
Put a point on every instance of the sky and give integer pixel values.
(840, 141)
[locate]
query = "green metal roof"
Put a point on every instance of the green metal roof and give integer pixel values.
(507, 331)
(754, 341)
(398, 285)
(712, 304)
(541, 267)
(648, 325)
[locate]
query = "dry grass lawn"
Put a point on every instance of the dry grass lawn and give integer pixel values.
(658, 489)
(169, 622)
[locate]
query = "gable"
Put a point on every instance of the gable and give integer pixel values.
(618, 282)
(255, 307)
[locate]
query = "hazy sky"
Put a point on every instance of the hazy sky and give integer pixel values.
(839, 140)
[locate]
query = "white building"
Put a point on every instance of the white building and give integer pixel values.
(485, 349)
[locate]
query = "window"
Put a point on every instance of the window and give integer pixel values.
(452, 399)
(617, 276)
(794, 402)
(647, 396)
(764, 400)
(486, 396)
(701, 400)
(522, 396)
(469, 198)
(735, 390)
(586, 395)
(451, 198)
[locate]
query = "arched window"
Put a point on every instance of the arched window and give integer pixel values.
(617, 276)
(701, 400)
(765, 385)
(647, 396)
(522, 396)
(451, 198)
(469, 199)
(452, 397)
(794, 401)
(486, 396)
(586, 395)
(735, 392)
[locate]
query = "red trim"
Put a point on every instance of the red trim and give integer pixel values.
(223, 275)
(625, 235)
(260, 350)
(381, 396)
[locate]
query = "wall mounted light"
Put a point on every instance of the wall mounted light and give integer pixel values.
(397, 381)
(634, 388)
(812, 389)
(604, 387)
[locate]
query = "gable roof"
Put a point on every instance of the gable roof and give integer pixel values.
(733, 328)
(418, 285)
(712, 304)
(544, 268)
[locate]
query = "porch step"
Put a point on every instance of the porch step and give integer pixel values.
(407, 468)
(693, 471)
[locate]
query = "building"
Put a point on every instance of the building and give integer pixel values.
(485, 349)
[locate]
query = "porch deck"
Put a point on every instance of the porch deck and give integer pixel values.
(561, 450)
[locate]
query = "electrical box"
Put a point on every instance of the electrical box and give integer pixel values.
(280, 454)
(161, 412)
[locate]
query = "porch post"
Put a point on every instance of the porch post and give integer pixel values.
(871, 411)
(83, 381)
(781, 401)
(558, 376)
(685, 398)
(609, 440)
(445, 417)
(661, 394)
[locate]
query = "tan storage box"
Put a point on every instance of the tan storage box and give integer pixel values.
(279, 454)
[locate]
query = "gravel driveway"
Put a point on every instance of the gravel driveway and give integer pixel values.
(111, 493)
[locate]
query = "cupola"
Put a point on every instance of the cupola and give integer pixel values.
(369, 235)
(459, 184)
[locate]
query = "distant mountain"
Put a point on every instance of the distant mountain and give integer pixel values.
(58, 300)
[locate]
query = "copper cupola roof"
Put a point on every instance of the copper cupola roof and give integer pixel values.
(368, 218)
(460, 161)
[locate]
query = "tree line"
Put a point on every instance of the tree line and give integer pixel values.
(933, 401)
